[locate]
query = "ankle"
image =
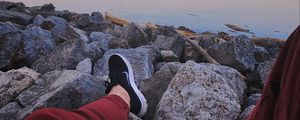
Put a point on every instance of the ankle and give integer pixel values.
(121, 92)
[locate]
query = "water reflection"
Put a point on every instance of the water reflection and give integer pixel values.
(275, 18)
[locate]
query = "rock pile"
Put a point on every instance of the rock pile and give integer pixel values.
(51, 58)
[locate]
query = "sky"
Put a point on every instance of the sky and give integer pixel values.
(267, 18)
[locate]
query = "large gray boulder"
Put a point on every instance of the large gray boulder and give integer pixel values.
(48, 7)
(97, 17)
(16, 17)
(36, 43)
(17, 7)
(85, 66)
(38, 20)
(141, 59)
(202, 91)
(70, 33)
(56, 25)
(154, 87)
(135, 35)
(13, 82)
(22, 48)
(264, 69)
(66, 56)
(174, 43)
(68, 89)
(237, 53)
(10, 39)
(167, 31)
(103, 39)
(86, 20)
(209, 40)
(168, 56)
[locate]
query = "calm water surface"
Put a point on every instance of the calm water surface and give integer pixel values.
(273, 18)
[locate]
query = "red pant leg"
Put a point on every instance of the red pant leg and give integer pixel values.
(111, 107)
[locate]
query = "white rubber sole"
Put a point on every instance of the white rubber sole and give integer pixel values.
(133, 85)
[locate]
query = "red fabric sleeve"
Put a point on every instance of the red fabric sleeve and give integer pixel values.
(111, 107)
(280, 98)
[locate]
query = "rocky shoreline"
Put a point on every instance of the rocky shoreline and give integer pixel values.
(51, 58)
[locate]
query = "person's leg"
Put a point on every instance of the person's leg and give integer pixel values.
(114, 106)
(123, 95)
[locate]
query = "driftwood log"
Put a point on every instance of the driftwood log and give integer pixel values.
(115, 19)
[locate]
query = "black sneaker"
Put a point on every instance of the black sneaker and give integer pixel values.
(120, 73)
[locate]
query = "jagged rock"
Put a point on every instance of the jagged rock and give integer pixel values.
(133, 117)
(14, 82)
(16, 17)
(116, 31)
(252, 99)
(261, 54)
(9, 111)
(98, 27)
(154, 87)
(272, 45)
(94, 46)
(102, 38)
(1, 73)
(167, 31)
(17, 7)
(68, 89)
(22, 48)
(175, 43)
(48, 7)
(85, 20)
(185, 29)
(245, 114)
(66, 56)
(264, 69)
(168, 56)
(209, 40)
(85, 66)
(38, 20)
(141, 59)
(73, 33)
(67, 15)
(37, 10)
(157, 66)
(10, 39)
(202, 91)
(189, 53)
(55, 24)
(97, 17)
(135, 35)
(36, 43)
(7, 27)
(238, 53)
(116, 43)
